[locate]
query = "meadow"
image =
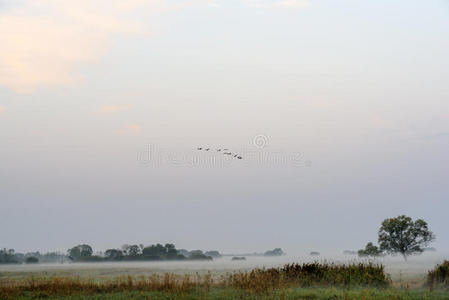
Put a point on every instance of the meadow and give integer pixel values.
(256, 278)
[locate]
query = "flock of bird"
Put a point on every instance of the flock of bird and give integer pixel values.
(223, 151)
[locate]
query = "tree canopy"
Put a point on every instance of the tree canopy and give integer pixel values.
(80, 252)
(274, 252)
(370, 250)
(402, 235)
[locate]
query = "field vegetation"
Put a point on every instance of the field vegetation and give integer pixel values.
(439, 276)
(259, 281)
(291, 281)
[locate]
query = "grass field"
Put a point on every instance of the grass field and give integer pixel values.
(287, 294)
(220, 280)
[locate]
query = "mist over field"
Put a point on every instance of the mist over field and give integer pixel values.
(412, 270)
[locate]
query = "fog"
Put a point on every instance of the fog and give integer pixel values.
(414, 269)
(339, 110)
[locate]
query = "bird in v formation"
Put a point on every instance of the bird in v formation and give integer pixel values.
(224, 151)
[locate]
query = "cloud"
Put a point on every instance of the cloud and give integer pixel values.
(2, 109)
(43, 41)
(111, 109)
(132, 128)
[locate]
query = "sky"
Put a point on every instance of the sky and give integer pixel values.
(339, 109)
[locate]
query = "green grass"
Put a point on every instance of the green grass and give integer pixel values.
(284, 294)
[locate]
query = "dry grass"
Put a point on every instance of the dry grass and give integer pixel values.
(257, 281)
(42, 287)
(439, 276)
(308, 275)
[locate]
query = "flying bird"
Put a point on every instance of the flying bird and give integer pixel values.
(224, 151)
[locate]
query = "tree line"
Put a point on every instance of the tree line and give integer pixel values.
(10, 256)
(84, 253)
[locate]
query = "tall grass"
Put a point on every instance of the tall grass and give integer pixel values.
(309, 274)
(439, 276)
(256, 281)
(43, 287)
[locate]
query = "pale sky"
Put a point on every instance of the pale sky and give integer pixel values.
(339, 108)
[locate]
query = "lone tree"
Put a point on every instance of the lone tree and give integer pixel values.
(404, 236)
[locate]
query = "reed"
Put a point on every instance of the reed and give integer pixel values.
(309, 275)
(439, 276)
(256, 281)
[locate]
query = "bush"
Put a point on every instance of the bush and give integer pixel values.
(310, 275)
(274, 252)
(439, 276)
(370, 250)
(31, 260)
(198, 255)
(93, 258)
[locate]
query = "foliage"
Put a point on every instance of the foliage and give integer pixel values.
(198, 254)
(80, 252)
(274, 252)
(439, 276)
(83, 253)
(8, 256)
(113, 254)
(161, 252)
(132, 251)
(404, 236)
(32, 260)
(157, 251)
(370, 250)
(52, 257)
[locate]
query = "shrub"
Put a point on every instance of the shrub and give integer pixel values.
(309, 274)
(370, 250)
(31, 260)
(439, 276)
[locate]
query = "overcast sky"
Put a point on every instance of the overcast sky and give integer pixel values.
(340, 110)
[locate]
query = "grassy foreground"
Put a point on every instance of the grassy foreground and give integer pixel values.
(292, 281)
(284, 294)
